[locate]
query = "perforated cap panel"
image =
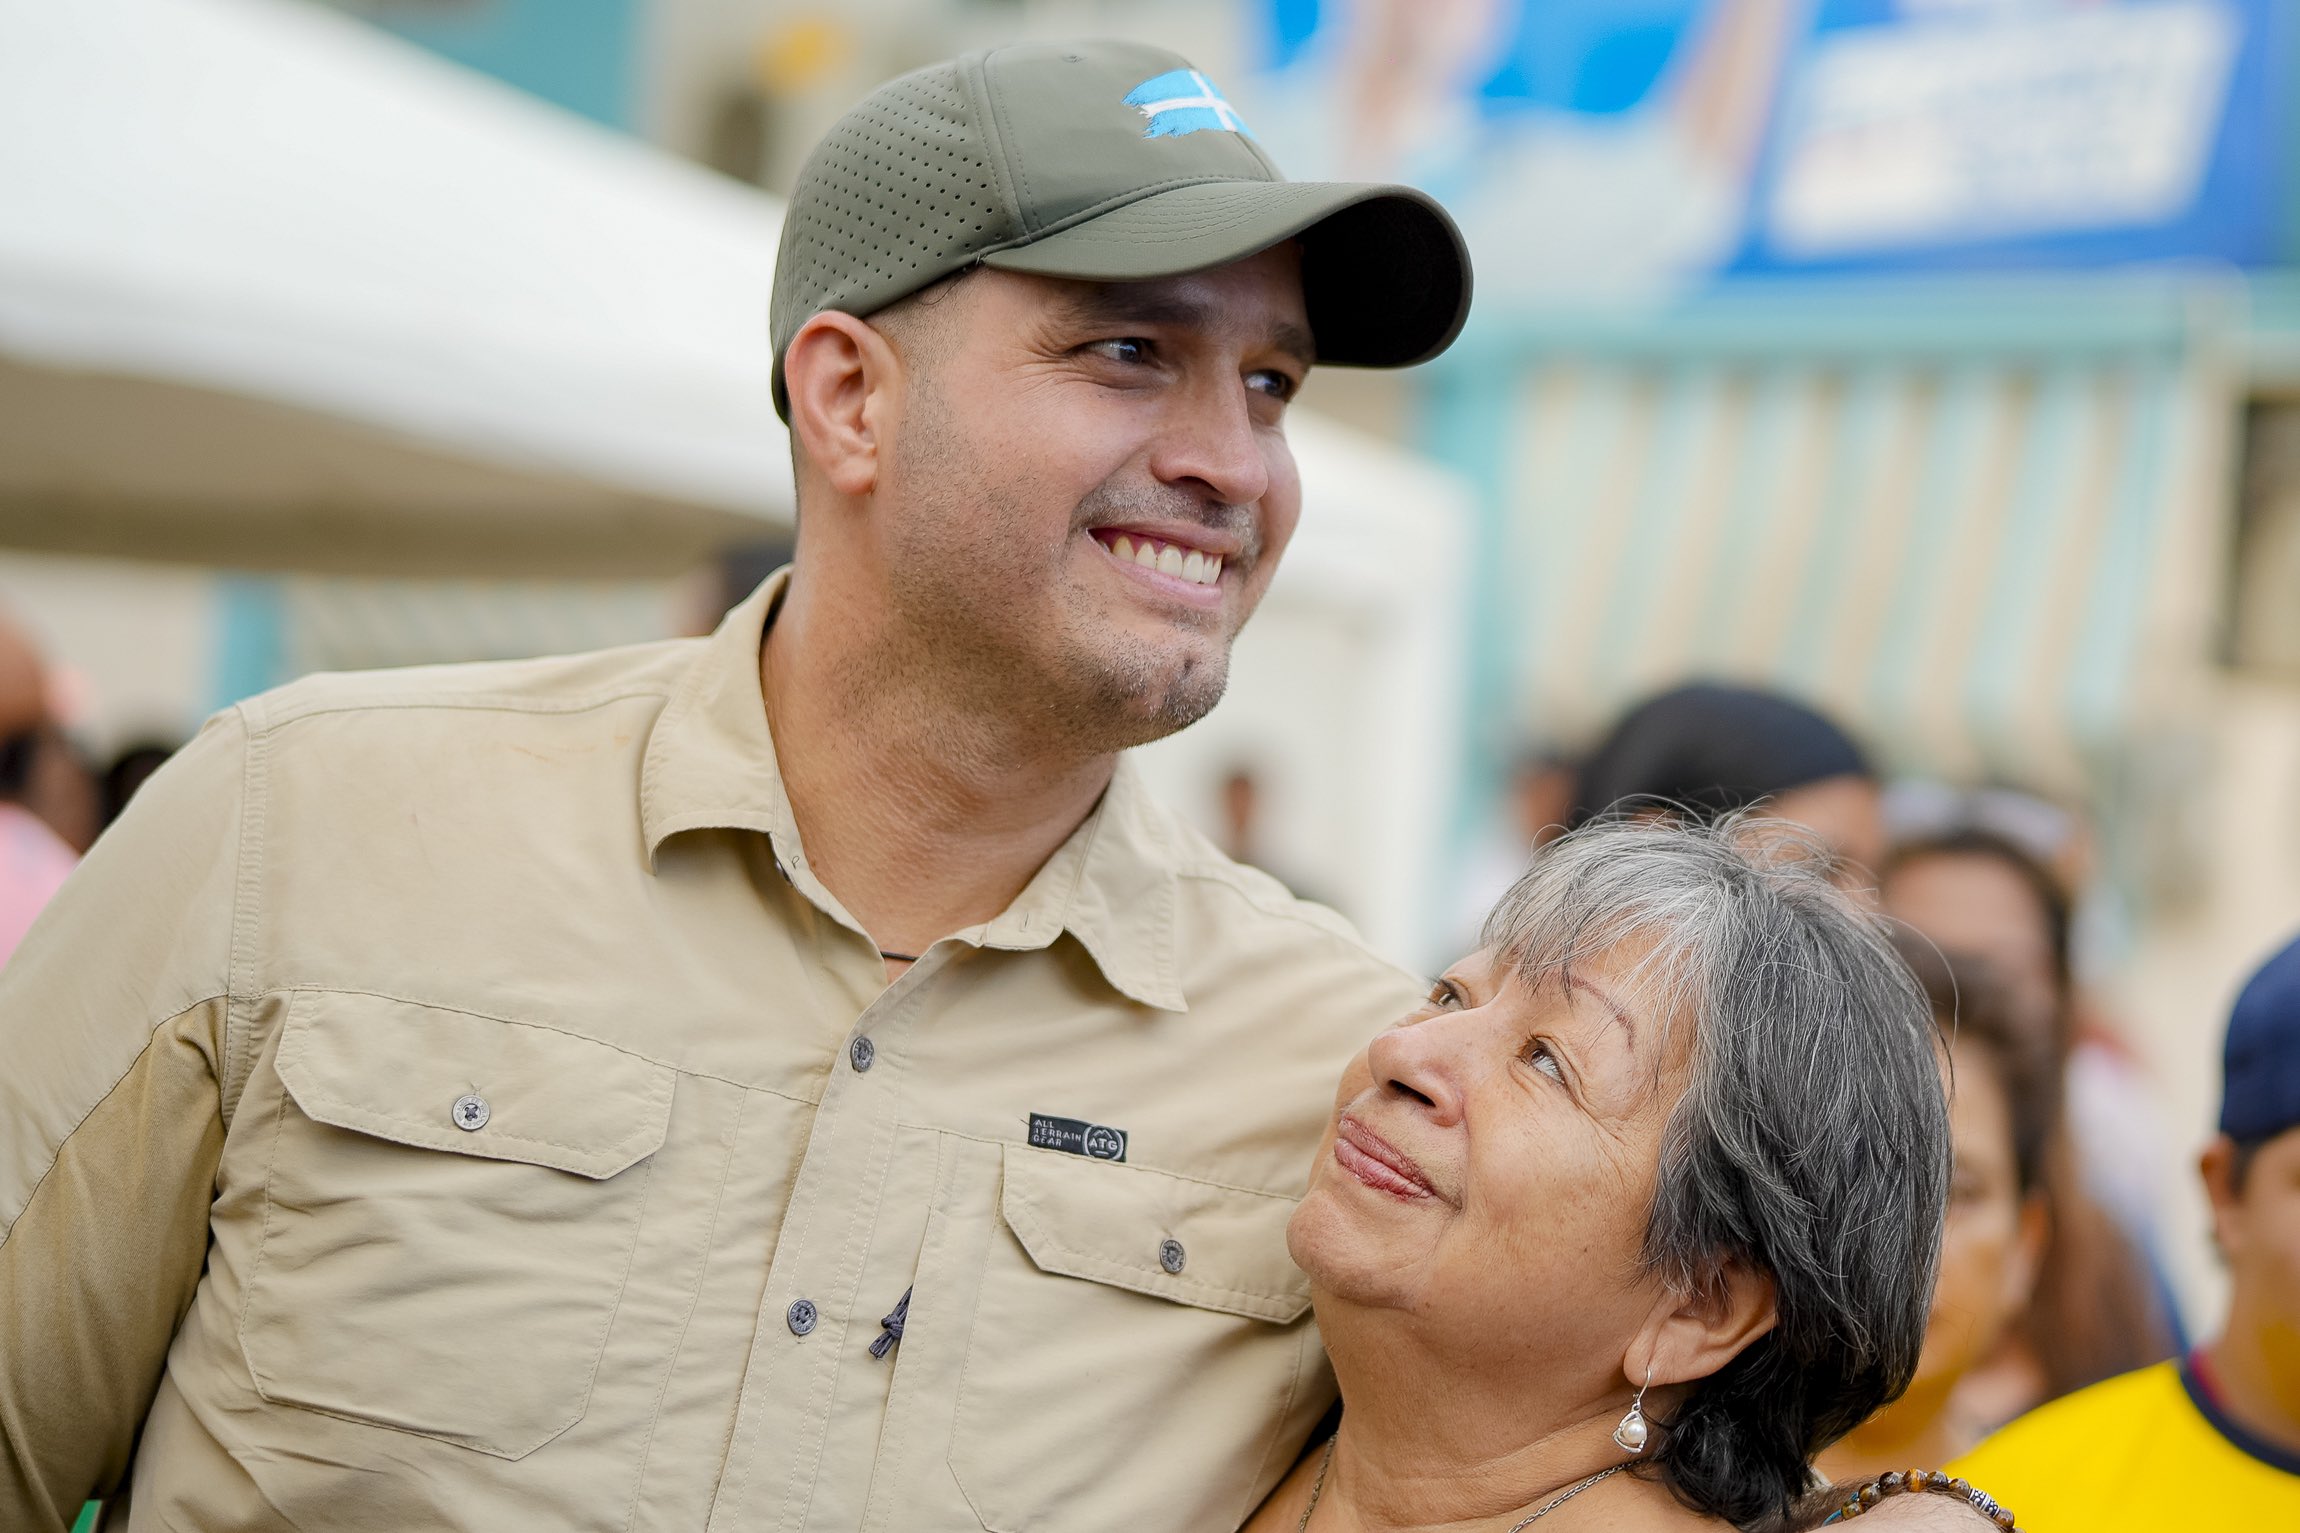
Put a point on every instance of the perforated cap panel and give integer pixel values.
(1078, 160)
(899, 193)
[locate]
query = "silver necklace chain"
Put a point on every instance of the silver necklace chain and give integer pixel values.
(1326, 1462)
(1318, 1486)
(1567, 1494)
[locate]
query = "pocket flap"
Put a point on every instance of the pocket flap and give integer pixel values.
(1112, 1223)
(396, 1069)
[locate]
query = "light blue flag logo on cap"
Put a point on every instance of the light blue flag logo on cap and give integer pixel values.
(1184, 101)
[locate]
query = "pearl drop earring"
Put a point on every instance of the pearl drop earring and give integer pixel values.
(1632, 1434)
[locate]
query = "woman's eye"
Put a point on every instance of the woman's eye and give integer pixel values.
(1445, 996)
(1537, 1054)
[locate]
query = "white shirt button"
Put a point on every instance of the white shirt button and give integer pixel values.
(469, 1112)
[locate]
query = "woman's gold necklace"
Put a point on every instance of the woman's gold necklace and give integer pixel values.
(1326, 1462)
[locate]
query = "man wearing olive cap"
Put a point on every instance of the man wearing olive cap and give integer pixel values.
(795, 1079)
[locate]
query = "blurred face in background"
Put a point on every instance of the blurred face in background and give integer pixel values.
(1847, 812)
(2257, 1225)
(1994, 1236)
(64, 792)
(1972, 903)
(1991, 1245)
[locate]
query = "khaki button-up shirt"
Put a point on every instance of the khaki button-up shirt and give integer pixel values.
(449, 1100)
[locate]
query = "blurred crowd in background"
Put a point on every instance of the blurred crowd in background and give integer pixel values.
(1887, 411)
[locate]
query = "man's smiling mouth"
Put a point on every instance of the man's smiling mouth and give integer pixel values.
(1177, 560)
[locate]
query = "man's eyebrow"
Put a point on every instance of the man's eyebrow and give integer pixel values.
(1111, 305)
(1620, 1013)
(1295, 342)
(1122, 303)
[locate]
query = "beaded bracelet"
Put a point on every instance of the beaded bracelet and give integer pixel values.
(1915, 1480)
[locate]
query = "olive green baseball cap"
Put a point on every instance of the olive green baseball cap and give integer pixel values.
(1105, 162)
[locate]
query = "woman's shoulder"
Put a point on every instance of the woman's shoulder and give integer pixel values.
(1904, 1499)
(1939, 1513)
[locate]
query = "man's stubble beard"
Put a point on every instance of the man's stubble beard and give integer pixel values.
(985, 640)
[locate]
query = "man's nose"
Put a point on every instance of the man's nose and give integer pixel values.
(1424, 1063)
(1211, 444)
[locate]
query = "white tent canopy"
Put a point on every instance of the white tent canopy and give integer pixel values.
(279, 290)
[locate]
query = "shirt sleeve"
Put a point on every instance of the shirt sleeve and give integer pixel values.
(114, 1029)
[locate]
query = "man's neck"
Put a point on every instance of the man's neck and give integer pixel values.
(923, 817)
(2253, 1370)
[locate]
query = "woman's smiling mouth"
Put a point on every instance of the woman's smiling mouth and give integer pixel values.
(1374, 1161)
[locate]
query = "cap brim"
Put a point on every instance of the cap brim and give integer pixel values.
(1385, 275)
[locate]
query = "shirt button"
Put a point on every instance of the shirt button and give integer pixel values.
(1171, 1256)
(469, 1112)
(800, 1316)
(861, 1052)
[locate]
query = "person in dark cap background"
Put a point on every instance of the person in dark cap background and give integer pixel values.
(1711, 749)
(2211, 1441)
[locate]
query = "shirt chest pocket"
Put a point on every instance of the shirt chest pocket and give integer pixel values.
(1138, 1343)
(450, 1213)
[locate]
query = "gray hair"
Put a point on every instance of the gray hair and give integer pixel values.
(1811, 1143)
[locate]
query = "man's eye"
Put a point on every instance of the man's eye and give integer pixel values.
(1445, 995)
(1270, 381)
(1129, 349)
(1537, 1054)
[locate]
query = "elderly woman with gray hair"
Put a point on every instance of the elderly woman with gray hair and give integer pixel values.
(1639, 1211)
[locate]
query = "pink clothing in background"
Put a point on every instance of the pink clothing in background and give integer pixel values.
(34, 862)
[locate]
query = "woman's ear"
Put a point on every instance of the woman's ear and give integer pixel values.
(1691, 1337)
(840, 375)
(2026, 1259)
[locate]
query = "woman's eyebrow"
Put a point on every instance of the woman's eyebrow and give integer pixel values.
(1620, 1013)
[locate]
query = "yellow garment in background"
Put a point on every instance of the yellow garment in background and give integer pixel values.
(2142, 1451)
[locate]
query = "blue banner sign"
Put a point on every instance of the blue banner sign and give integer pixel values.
(1621, 147)
(1962, 135)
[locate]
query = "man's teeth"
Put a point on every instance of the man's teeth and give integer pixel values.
(1168, 559)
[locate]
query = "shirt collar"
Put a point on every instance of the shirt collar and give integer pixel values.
(2203, 1390)
(710, 764)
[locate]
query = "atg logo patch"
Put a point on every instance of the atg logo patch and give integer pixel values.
(1184, 101)
(1075, 1136)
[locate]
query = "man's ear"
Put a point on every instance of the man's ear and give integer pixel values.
(1691, 1337)
(841, 376)
(2217, 1166)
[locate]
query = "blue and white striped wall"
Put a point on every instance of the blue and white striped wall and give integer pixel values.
(1985, 526)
